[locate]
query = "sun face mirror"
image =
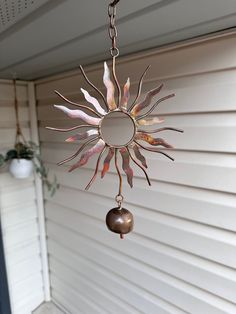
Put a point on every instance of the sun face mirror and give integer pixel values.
(117, 129)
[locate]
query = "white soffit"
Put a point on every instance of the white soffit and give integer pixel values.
(12, 11)
(49, 37)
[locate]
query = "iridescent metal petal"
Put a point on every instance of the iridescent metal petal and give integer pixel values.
(147, 100)
(151, 140)
(89, 153)
(88, 142)
(126, 96)
(140, 166)
(77, 105)
(153, 150)
(110, 88)
(150, 121)
(81, 136)
(139, 89)
(154, 106)
(160, 130)
(93, 101)
(106, 164)
(126, 166)
(78, 114)
(73, 128)
(96, 169)
(139, 156)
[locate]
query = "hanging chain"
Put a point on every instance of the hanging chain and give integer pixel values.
(112, 28)
(114, 50)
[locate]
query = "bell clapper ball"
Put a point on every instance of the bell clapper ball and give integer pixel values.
(120, 220)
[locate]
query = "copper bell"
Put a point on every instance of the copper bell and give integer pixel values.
(119, 220)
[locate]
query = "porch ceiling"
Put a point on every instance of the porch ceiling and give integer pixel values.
(46, 37)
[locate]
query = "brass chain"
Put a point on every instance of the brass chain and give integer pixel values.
(112, 28)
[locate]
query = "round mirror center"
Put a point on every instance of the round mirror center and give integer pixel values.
(117, 129)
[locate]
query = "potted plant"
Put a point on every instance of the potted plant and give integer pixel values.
(25, 157)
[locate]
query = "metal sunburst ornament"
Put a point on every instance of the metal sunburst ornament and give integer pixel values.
(118, 219)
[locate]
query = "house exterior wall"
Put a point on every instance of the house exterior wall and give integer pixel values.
(181, 257)
(19, 211)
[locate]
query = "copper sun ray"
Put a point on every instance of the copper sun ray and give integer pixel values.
(140, 166)
(89, 153)
(147, 100)
(107, 160)
(81, 136)
(110, 88)
(150, 121)
(152, 141)
(154, 106)
(126, 166)
(126, 96)
(139, 156)
(96, 169)
(78, 114)
(93, 101)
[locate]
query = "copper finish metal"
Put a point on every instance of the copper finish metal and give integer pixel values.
(118, 172)
(140, 166)
(72, 129)
(154, 106)
(154, 150)
(78, 105)
(114, 50)
(160, 130)
(139, 89)
(120, 220)
(93, 86)
(97, 168)
(78, 151)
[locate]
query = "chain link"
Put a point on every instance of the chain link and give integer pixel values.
(112, 28)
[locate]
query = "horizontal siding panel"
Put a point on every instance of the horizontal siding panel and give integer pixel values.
(183, 171)
(24, 193)
(7, 91)
(220, 86)
(22, 233)
(214, 244)
(25, 292)
(194, 138)
(172, 199)
(84, 288)
(187, 297)
(32, 302)
(25, 251)
(7, 115)
(24, 270)
(18, 215)
(83, 304)
(191, 60)
(185, 266)
(8, 181)
(8, 136)
(107, 188)
(138, 298)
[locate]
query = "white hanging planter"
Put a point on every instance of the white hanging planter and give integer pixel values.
(21, 168)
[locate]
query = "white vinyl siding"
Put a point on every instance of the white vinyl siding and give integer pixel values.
(181, 257)
(18, 208)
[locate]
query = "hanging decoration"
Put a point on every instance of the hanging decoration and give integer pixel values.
(126, 142)
(24, 156)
